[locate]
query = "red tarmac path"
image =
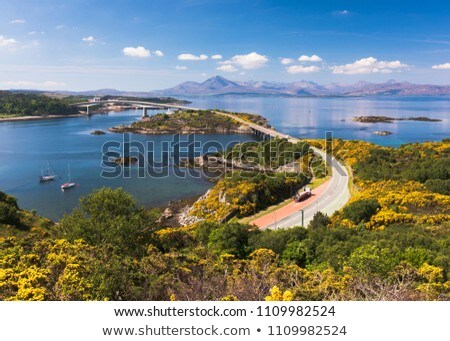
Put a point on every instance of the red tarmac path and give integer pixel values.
(285, 211)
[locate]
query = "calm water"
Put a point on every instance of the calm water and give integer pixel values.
(26, 146)
(312, 117)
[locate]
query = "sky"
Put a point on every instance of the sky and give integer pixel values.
(145, 45)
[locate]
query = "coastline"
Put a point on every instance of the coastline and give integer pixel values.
(38, 118)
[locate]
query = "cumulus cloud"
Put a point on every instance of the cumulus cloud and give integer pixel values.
(247, 61)
(189, 56)
(369, 65)
(7, 41)
(445, 66)
(286, 61)
(140, 52)
(216, 56)
(17, 21)
(227, 68)
(314, 58)
(294, 69)
(178, 67)
(158, 53)
(30, 84)
(90, 40)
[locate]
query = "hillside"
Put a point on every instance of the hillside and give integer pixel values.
(391, 242)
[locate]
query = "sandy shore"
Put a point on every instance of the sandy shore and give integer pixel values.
(35, 118)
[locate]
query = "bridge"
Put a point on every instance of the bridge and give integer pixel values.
(138, 104)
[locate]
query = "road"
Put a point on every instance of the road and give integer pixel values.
(329, 200)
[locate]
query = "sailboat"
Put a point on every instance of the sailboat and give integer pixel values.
(68, 184)
(47, 176)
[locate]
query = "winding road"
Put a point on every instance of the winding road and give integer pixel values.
(327, 198)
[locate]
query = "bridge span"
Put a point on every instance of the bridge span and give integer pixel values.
(138, 104)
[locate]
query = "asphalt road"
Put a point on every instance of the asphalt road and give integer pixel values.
(331, 200)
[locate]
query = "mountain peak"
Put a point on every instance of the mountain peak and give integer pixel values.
(218, 81)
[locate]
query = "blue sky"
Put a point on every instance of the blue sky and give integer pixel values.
(145, 45)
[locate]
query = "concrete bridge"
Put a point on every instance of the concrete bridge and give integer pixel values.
(138, 104)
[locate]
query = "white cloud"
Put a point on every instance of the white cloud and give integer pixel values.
(158, 53)
(314, 58)
(343, 12)
(369, 65)
(247, 61)
(216, 56)
(30, 84)
(445, 66)
(32, 33)
(18, 21)
(227, 68)
(60, 27)
(189, 56)
(90, 40)
(7, 41)
(139, 51)
(294, 69)
(204, 74)
(286, 61)
(181, 67)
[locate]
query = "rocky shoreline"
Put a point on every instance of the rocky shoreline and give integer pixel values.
(36, 118)
(243, 129)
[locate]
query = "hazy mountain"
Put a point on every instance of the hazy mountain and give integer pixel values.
(219, 85)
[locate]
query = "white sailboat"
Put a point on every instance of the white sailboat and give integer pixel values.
(68, 184)
(47, 176)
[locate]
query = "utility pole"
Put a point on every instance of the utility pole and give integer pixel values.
(303, 217)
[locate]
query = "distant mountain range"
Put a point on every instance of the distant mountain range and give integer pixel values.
(219, 85)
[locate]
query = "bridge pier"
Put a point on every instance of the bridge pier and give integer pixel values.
(144, 112)
(87, 111)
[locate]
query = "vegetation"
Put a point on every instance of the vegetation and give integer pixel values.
(31, 104)
(385, 119)
(391, 242)
(185, 122)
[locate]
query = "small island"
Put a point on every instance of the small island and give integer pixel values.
(189, 122)
(386, 119)
(98, 132)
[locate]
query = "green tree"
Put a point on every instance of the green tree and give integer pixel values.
(361, 210)
(230, 238)
(320, 220)
(112, 217)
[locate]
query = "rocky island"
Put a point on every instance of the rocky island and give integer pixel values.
(386, 119)
(126, 160)
(98, 132)
(190, 122)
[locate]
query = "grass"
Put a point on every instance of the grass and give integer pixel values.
(316, 182)
(8, 116)
(268, 210)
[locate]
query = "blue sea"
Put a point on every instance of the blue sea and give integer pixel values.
(28, 146)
